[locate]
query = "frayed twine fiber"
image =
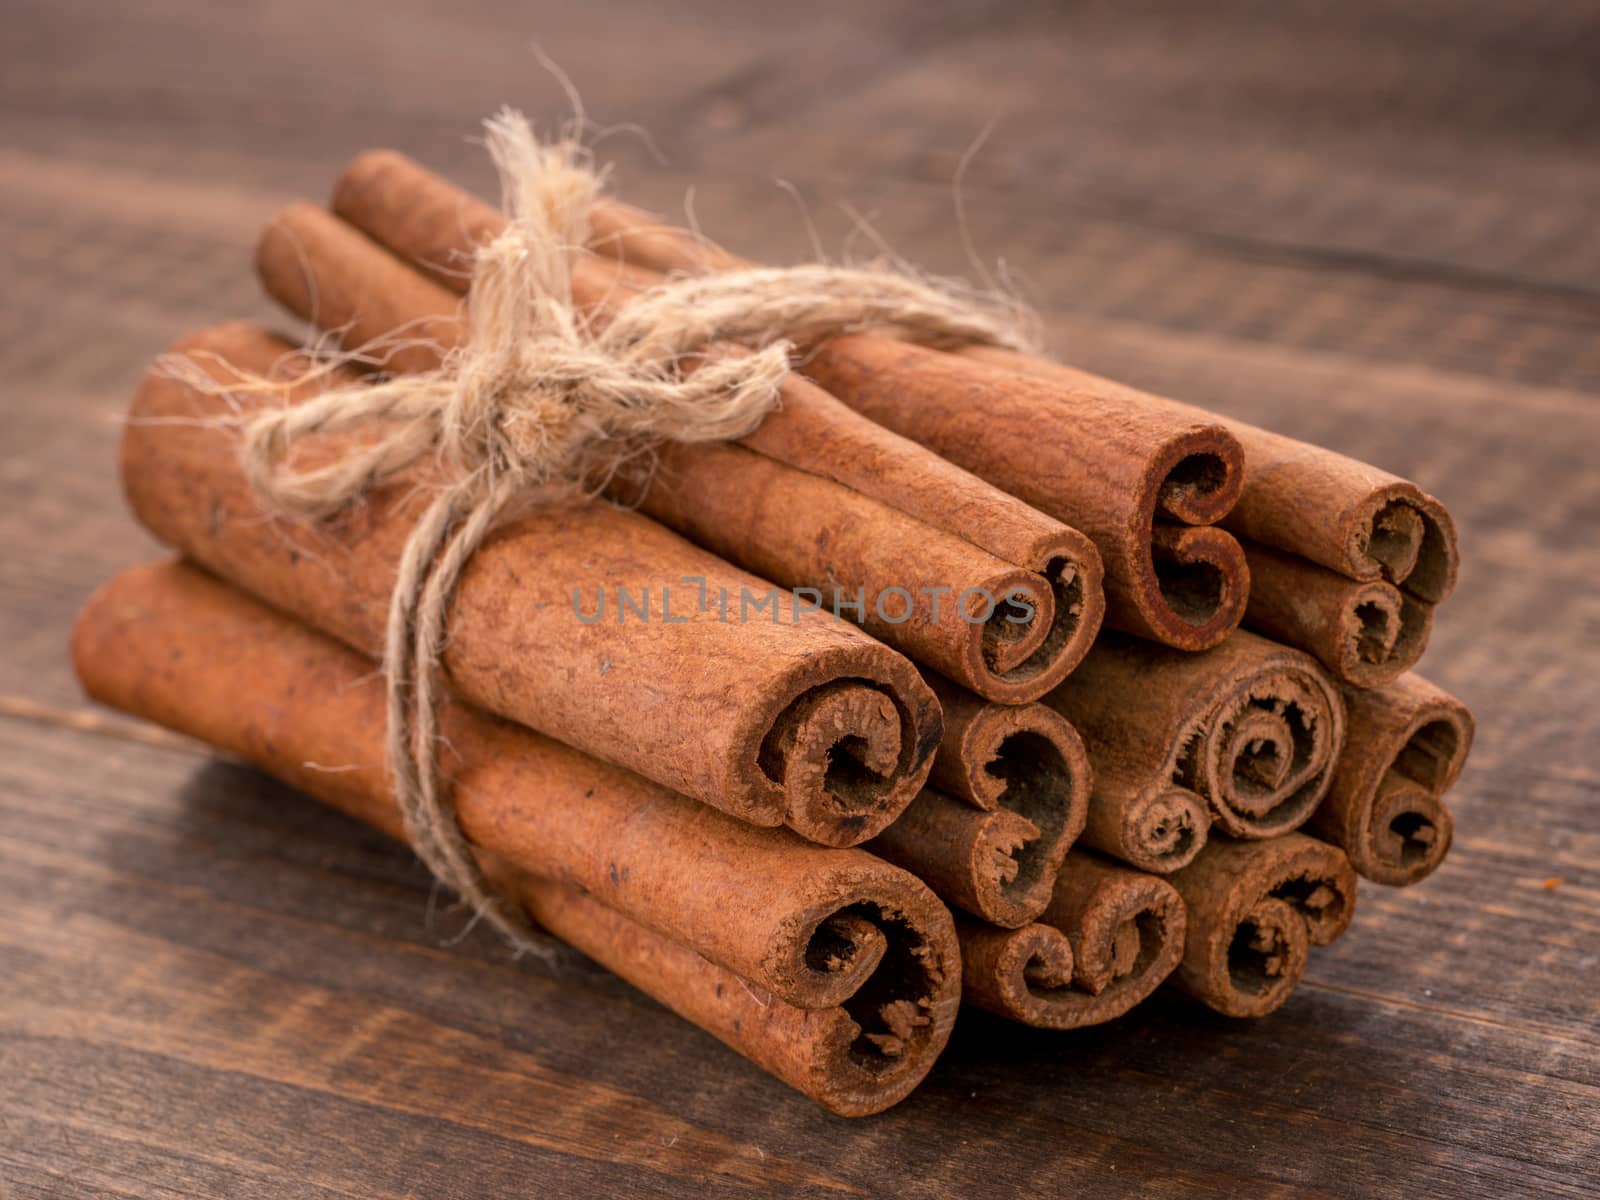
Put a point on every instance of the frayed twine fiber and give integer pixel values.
(537, 397)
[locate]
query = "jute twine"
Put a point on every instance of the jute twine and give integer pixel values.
(537, 396)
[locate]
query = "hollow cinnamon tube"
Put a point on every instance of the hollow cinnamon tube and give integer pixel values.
(1147, 821)
(1012, 795)
(831, 930)
(435, 226)
(1254, 909)
(1365, 633)
(808, 723)
(1385, 808)
(1348, 516)
(932, 596)
(1135, 473)
(1109, 937)
(823, 1053)
(1250, 727)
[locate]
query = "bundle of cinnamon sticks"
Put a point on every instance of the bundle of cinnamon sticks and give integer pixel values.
(965, 677)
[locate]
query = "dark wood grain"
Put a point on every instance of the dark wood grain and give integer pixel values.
(1365, 224)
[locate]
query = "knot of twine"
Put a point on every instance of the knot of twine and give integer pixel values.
(538, 396)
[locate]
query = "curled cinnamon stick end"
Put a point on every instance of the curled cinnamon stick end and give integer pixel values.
(1014, 655)
(831, 968)
(1254, 909)
(855, 1059)
(1346, 515)
(1251, 727)
(828, 731)
(1105, 942)
(1149, 823)
(1015, 787)
(1385, 808)
(1365, 633)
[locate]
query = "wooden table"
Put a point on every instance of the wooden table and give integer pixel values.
(1369, 225)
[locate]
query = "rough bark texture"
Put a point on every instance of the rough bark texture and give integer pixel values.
(1255, 909)
(858, 957)
(809, 723)
(1251, 728)
(1365, 633)
(1108, 938)
(1385, 807)
(1012, 796)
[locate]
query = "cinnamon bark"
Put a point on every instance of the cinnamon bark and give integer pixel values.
(850, 963)
(433, 225)
(822, 1053)
(1255, 909)
(1251, 728)
(1348, 516)
(1107, 940)
(1135, 473)
(1365, 633)
(1385, 808)
(1013, 791)
(808, 723)
(1306, 500)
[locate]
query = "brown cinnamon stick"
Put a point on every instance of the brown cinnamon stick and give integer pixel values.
(1106, 941)
(1138, 475)
(1350, 517)
(807, 722)
(1385, 808)
(1255, 909)
(822, 1053)
(858, 957)
(1251, 728)
(435, 226)
(1306, 500)
(1365, 633)
(1012, 796)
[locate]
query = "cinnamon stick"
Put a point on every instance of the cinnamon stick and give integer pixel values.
(1346, 515)
(1142, 477)
(1011, 796)
(1255, 909)
(1385, 808)
(808, 723)
(830, 968)
(822, 1053)
(433, 225)
(1365, 633)
(1107, 940)
(1250, 728)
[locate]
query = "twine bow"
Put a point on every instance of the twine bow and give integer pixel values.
(538, 396)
